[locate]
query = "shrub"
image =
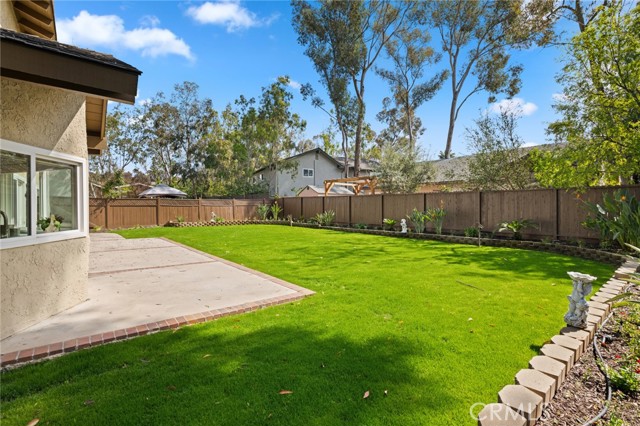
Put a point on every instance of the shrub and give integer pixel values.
(326, 218)
(275, 210)
(617, 218)
(436, 216)
(180, 219)
(471, 231)
(516, 226)
(45, 221)
(263, 211)
(360, 226)
(388, 224)
(418, 220)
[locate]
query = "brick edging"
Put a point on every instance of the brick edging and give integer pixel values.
(72, 345)
(523, 402)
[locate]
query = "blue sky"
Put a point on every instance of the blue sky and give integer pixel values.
(234, 48)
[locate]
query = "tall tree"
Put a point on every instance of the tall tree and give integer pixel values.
(410, 55)
(177, 136)
(353, 34)
(402, 170)
(497, 162)
(476, 36)
(600, 106)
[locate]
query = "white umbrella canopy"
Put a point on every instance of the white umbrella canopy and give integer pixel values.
(162, 191)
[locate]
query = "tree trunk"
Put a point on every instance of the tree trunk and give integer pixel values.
(452, 124)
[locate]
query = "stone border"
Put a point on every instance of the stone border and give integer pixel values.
(582, 252)
(522, 403)
(72, 345)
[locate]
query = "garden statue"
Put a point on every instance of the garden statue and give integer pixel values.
(213, 217)
(403, 224)
(52, 224)
(578, 306)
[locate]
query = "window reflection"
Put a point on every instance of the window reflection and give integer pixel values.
(14, 195)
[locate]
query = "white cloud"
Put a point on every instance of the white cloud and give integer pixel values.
(294, 84)
(228, 13)
(96, 31)
(149, 21)
(515, 105)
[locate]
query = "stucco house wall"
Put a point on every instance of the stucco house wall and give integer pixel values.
(40, 280)
(289, 182)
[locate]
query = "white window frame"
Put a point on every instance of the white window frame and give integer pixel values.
(308, 175)
(82, 188)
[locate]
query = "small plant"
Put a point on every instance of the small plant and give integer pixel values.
(617, 218)
(547, 240)
(46, 221)
(180, 219)
(516, 226)
(436, 216)
(471, 231)
(275, 210)
(418, 220)
(263, 211)
(326, 218)
(218, 219)
(388, 224)
(624, 379)
(360, 226)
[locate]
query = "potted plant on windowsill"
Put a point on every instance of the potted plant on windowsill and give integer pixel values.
(50, 224)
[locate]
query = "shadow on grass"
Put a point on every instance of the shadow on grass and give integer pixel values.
(220, 375)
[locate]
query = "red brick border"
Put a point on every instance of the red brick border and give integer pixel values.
(72, 345)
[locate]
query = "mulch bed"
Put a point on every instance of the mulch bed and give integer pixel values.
(583, 394)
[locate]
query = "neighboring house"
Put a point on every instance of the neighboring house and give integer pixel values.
(318, 191)
(52, 113)
(367, 167)
(451, 174)
(312, 167)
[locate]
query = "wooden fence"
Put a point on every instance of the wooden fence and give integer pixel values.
(558, 213)
(130, 212)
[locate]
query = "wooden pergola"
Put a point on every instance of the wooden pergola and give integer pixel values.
(357, 183)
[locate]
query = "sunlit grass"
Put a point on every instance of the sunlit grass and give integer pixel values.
(436, 326)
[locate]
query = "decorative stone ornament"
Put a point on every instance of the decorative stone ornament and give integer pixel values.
(403, 223)
(52, 224)
(578, 306)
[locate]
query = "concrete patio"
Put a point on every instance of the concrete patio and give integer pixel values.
(142, 285)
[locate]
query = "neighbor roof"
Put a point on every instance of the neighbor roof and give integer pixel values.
(335, 190)
(314, 150)
(162, 191)
(456, 169)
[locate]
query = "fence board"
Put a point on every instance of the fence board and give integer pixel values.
(367, 210)
(399, 206)
(340, 205)
(462, 209)
(292, 206)
(311, 206)
(535, 205)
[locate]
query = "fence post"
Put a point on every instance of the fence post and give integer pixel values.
(199, 208)
(556, 228)
(302, 208)
(106, 213)
(233, 209)
(323, 209)
(350, 220)
(158, 211)
(382, 209)
(480, 208)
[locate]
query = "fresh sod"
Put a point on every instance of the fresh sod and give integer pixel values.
(426, 328)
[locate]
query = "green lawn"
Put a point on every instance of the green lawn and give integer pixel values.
(389, 317)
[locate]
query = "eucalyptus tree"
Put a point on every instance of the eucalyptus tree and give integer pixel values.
(410, 56)
(349, 36)
(476, 36)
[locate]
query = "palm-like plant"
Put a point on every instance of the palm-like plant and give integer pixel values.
(516, 226)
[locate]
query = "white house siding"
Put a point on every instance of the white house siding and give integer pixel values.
(288, 185)
(40, 280)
